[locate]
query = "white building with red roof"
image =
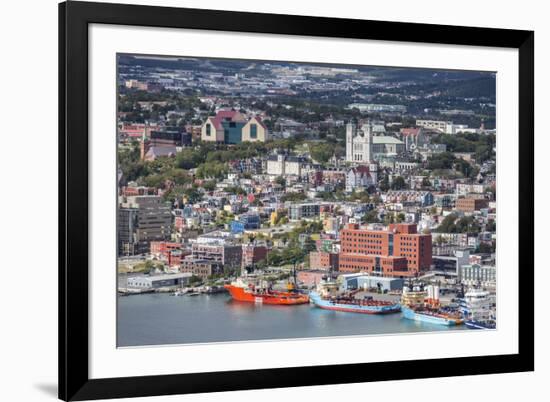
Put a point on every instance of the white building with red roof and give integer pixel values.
(413, 138)
(361, 177)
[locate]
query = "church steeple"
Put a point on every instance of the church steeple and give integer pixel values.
(368, 133)
(351, 129)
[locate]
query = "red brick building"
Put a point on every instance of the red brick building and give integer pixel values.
(252, 254)
(202, 268)
(164, 247)
(398, 251)
(323, 260)
(171, 252)
(310, 277)
(471, 204)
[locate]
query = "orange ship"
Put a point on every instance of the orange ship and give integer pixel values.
(248, 292)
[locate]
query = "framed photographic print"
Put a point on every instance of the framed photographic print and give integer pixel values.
(258, 200)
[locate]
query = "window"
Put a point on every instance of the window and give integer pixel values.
(208, 129)
(253, 131)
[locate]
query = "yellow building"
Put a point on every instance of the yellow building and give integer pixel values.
(231, 127)
(255, 130)
(273, 218)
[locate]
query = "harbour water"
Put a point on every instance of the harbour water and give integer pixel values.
(162, 319)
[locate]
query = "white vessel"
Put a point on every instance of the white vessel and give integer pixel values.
(478, 308)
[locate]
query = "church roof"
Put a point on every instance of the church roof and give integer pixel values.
(410, 131)
(155, 152)
(386, 139)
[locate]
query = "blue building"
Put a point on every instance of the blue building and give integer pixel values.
(246, 221)
(237, 227)
(232, 131)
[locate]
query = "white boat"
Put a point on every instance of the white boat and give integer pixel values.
(478, 308)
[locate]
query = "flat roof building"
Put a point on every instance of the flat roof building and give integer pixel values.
(365, 282)
(398, 251)
(157, 281)
(149, 219)
(471, 204)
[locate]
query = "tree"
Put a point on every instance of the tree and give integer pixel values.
(321, 152)
(211, 170)
(486, 248)
(444, 160)
(154, 180)
(193, 195)
(447, 225)
(451, 224)
(398, 183)
(209, 185)
(235, 190)
(293, 197)
(195, 280)
(389, 219)
(370, 217)
(309, 245)
(280, 180)
(385, 184)
(426, 183)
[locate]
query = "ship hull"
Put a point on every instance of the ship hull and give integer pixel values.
(351, 308)
(418, 316)
(276, 298)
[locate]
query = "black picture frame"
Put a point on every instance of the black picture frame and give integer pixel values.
(74, 18)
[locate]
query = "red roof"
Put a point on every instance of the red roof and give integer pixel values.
(230, 115)
(363, 170)
(260, 122)
(410, 131)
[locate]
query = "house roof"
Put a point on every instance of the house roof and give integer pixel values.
(362, 170)
(410, 131)
(155, 152)
(259, 121)
(225, 115)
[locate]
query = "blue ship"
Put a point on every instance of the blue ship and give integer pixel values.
(351, 305)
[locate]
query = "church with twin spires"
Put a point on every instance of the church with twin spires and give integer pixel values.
(359, 153)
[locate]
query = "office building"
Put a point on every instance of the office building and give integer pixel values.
(305, 210)
(148, 218)
(398, 251)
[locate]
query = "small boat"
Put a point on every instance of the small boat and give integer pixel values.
(192, 293)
